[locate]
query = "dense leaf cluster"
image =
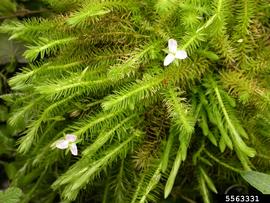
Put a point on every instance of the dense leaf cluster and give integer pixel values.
(144, 131)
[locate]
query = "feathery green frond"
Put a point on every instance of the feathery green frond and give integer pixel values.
(46, 47)
(94, 167)
(99, 71)
(132, 94)
(92, 11)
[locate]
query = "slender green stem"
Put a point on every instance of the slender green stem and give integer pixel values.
(29, 194)
(106, 192)
(205, 25)
(219, 6)
(222, 163)
(225, 112)
(197, 154)
(23, 13)
(263, 156)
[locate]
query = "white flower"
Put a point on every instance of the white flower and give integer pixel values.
(68, 142)
(240, 40)
(174, 53)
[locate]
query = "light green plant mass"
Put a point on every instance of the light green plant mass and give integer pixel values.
(144, 131)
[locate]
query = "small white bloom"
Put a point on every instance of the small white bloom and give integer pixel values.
(174, 53)
(240, 40)
(68, 142)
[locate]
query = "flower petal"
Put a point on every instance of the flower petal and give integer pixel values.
(73, 149)
(62, 144)
(172, 44)
(181, 54)
(71, 137)
(168, 59)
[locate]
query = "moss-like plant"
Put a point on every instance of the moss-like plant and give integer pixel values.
(157, 98)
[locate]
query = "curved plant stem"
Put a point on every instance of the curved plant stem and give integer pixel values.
(222, 163)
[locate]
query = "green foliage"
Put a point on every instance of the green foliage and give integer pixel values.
(11, 60)
(260, 181)
(11, 195)
(6, 7)
(144, 131)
